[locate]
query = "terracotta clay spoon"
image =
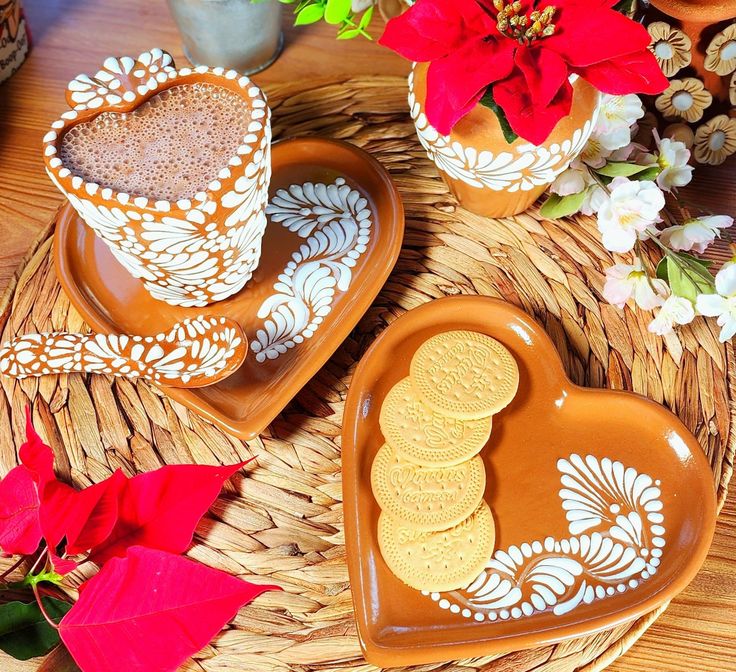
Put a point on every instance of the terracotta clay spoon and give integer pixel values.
(194, 353)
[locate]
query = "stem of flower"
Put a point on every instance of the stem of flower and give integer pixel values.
(43, 557)
(39, 601)
(9, 571)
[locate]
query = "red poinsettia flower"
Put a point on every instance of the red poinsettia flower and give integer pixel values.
(523, 53)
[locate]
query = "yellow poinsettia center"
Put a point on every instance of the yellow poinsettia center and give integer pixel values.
(525, 28)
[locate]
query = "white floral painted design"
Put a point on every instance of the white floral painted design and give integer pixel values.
(616, 524)
(107, 86)
(210, 346)
(336, 222)
(520, 169)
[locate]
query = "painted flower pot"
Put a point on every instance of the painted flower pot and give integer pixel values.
(190, 252)
(488, 175)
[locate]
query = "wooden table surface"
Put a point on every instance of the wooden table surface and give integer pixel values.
(696, 634)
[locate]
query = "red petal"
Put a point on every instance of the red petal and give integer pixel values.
(20, 529)
(633, 73)
(431, 29)
(533, 123)
(97, 514)
(587, 34)
(62, 565)
(150, 611)
(161, 509)
(545, 73)
(36, 455)
(456, 83)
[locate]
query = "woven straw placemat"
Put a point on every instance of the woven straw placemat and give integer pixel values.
(283, 522)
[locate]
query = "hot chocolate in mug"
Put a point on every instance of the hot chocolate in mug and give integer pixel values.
(170, 168)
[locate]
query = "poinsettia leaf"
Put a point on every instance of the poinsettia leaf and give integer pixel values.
(161, 509)
(84, 517)
(25, 633)
(488, 101)
(556, 206)
(20, 527)
(36, 455)
(688, 277)
(151, 611)
(62, 566)
(621, 169)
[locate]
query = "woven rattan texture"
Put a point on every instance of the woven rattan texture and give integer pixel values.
(283, 521)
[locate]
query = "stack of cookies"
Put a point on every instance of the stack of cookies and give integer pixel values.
(435, 531)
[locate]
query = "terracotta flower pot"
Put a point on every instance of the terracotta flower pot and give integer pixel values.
(190, 252)
(488, 175)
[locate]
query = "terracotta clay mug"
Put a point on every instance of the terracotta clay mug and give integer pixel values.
(488, 175)
(188, 252)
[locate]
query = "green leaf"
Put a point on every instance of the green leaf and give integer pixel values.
(688, 277)
(556, 206)
(310, 14)
(662, 270)
(336, 11)
(488, 101)
(25, 633)
(622, 169)
(349, 34)
(625, 7)
(366, 18)
(649, 175)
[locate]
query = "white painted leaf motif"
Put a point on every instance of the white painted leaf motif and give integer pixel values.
(335, 219)
(523, 167)
(614, 517)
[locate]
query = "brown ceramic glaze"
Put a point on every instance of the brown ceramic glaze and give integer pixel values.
(603, 503)
(314, 282)
(193, 251)
(487, 174)
(697, 11)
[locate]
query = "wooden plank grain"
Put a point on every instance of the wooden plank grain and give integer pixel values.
(696, 634)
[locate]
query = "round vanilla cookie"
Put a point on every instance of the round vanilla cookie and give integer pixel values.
(464, 374)
(430, 498)
(438, 561)
(424, 436)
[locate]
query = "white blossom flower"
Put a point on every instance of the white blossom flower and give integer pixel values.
(594, 154)
(571, 181)
(631, 281)
(695, 234)
(675, 310)
(595, 197)
(723, 304)
(616, 116)
(631, 211)
(673, 160)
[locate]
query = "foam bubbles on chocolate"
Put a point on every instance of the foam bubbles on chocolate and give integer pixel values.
(169, 148)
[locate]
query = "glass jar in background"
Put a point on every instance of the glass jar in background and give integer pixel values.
(241, 34)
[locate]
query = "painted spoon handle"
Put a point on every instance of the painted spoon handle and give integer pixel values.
(41, 354)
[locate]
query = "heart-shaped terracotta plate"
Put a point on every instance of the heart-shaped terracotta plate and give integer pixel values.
(603, 503)
(335, 228)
